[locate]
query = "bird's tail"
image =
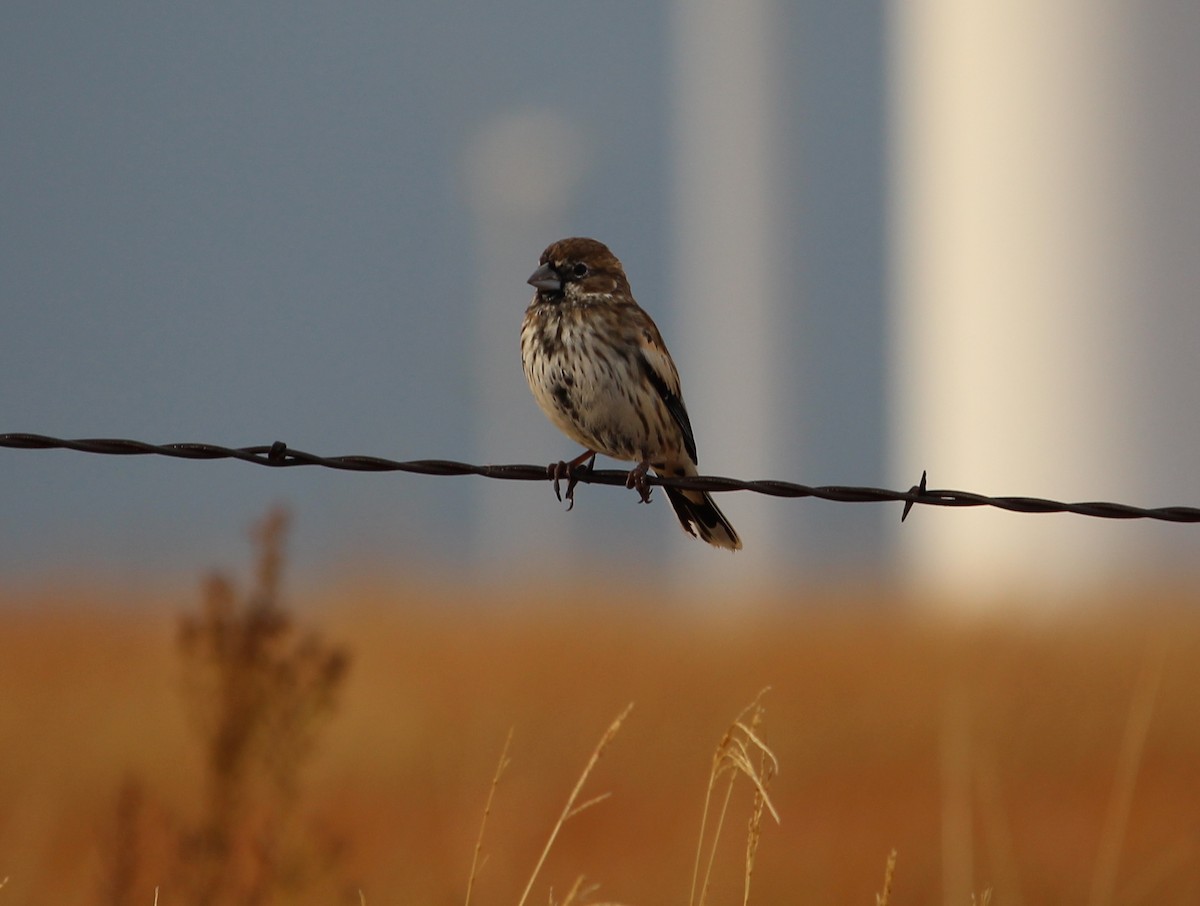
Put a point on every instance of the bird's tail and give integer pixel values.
(700, 517)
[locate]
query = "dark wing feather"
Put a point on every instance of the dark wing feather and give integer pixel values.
(673, 403)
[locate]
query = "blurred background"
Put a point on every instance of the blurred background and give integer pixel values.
(879, 239)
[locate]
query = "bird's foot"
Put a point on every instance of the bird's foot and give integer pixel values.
(571, 471)
(637, 480)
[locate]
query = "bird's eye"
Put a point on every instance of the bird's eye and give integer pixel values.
(580, 270)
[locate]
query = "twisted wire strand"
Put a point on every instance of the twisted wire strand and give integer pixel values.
(280, 455)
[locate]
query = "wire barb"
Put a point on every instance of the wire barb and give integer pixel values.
(916, 492)
(280, 455)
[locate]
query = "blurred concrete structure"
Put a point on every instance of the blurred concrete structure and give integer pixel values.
(521, 191)
(729, 344)
(1047, 283)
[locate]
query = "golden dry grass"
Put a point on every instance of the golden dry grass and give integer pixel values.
(1060, 757)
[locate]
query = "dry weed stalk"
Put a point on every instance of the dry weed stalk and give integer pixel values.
(881, 899)
(260, 690)
(576, 894)
(996, 827)
(476, 861)
(579, 893)
(958, 819)
(139, 848)
(1137, 727)
(740, 753)
(570, 810)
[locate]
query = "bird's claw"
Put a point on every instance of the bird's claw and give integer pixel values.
(556, 471)
(571, 471)
(637, 481)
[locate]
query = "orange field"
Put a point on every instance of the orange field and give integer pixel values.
(1052, 761)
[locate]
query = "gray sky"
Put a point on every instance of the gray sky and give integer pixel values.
(240, 224)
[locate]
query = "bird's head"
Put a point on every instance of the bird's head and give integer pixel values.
(579, 270)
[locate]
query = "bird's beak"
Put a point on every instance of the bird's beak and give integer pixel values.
(544, 278)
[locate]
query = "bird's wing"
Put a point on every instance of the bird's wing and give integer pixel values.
(660, 372)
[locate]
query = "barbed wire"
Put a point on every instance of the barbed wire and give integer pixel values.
(280, 455)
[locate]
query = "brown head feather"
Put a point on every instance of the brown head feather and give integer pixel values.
(586, 267)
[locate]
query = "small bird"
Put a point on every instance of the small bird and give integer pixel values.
(599, 369)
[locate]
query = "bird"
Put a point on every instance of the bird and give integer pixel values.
(600, 371)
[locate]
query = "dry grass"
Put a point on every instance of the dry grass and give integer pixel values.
(574, 807)
(740, 753)
(1068, 749)
(1129, 761)
(889, 871)
(477, 859)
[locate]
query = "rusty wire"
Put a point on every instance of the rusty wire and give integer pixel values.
(280, 455)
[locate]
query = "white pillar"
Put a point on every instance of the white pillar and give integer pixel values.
(1042, 298)
(725, 337)
(522, 171)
